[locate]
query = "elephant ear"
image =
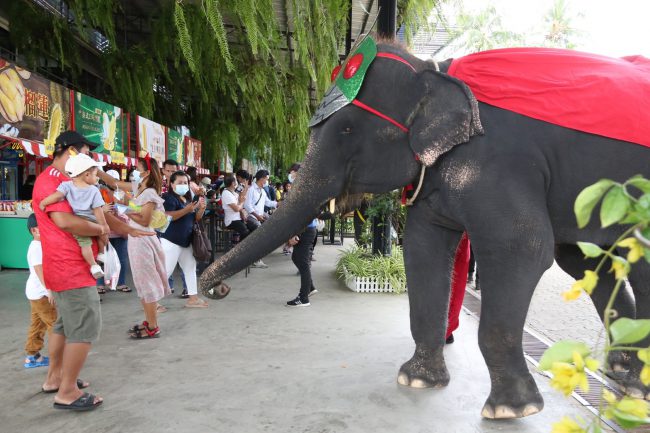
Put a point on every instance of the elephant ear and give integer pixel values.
(446, 115)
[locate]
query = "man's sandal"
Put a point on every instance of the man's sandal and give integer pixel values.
(124, 288)
(83, 403)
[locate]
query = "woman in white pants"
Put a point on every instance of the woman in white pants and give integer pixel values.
(177, 239)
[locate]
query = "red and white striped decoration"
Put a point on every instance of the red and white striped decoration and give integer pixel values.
(31, 147)
(102, 157)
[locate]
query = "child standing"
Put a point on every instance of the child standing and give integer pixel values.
(43, 312)
(86, 201)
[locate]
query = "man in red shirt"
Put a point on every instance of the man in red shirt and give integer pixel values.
(67, 275)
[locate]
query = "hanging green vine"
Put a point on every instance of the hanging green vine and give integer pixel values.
(222, 68)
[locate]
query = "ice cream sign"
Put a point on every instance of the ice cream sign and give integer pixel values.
(99, 122)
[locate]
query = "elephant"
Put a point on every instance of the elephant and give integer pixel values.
(507, 179)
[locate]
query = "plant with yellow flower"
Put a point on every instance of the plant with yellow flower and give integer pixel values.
(627, 204)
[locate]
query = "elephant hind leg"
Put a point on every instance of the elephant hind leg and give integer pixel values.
(639, 279)
(508, 278)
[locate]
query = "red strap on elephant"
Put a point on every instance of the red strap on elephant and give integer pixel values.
(377, 112)
(380, 114)
(396, 57)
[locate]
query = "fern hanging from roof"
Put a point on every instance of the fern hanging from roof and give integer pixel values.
(184, 36)
(211, 10)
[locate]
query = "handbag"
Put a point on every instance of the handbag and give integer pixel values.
(201, 248)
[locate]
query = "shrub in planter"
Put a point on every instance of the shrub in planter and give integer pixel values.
(365, 272)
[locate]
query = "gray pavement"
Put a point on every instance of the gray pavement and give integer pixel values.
(249, 364)
(553, 318)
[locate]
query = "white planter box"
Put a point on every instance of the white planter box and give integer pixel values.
(366, 284)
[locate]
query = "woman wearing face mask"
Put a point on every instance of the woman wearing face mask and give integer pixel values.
(146, 254)
(177, 239)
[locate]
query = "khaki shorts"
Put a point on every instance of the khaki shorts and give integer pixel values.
(79, 315)
(84, 241)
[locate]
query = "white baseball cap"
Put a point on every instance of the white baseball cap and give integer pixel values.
(206, 181)
(114, 174)
(79, 163)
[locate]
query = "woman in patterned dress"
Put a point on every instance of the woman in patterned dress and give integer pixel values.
(146, 254)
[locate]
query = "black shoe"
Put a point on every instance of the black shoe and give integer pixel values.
(298, 303)
(450, 339)
(313, 292)
(470, 278)
(184, 295)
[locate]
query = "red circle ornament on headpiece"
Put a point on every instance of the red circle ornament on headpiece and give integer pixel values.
(352, 66)
(335, 72)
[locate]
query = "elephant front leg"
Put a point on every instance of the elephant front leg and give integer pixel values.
(428, 257)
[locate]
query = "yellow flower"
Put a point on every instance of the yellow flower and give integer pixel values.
(644, 355)
(645, 375)
(567, 425)
(636, 250)
(566, 377)
(609, 397)
(588, 283)
(573, 293)
(621, 267)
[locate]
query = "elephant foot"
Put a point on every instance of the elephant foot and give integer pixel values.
(513, 398)
(218, 291)
(619, 361)
(633, 387)
(426, 369)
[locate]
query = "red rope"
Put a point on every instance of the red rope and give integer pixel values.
(379, 114)
(396, 57)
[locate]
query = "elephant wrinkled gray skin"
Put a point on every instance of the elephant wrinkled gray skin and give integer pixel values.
(512, 188)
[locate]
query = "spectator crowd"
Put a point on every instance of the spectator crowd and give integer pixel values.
(90, 227)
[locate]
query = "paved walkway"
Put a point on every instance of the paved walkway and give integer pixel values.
(249, 364)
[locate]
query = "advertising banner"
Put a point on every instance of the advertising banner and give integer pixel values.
(151, 138)
(175, 146)
(192, 152)
(32, 107)
(101, 123)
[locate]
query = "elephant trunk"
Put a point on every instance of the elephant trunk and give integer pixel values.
(303, 203)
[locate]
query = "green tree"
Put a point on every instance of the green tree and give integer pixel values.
(559, 31)
(483, 31)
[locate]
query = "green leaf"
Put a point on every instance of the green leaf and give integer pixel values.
(644, 355)
(626, 331)
(614, 207)
(587, 200)
(562, 351)
(640, 183)
(628, 421)
(589, 249)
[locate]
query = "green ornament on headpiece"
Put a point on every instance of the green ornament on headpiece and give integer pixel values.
(347, 80)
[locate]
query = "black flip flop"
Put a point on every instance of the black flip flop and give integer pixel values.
(83, 403)
(80, 385)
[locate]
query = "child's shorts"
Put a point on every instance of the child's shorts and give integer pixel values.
(84, 241)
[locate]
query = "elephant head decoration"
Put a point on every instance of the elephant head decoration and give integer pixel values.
(507, 179)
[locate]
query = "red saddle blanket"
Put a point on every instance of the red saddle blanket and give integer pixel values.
(587, 92)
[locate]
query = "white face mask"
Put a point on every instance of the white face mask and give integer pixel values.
(181, 189)
(135, 176)
(266, 183)
(291, 177)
